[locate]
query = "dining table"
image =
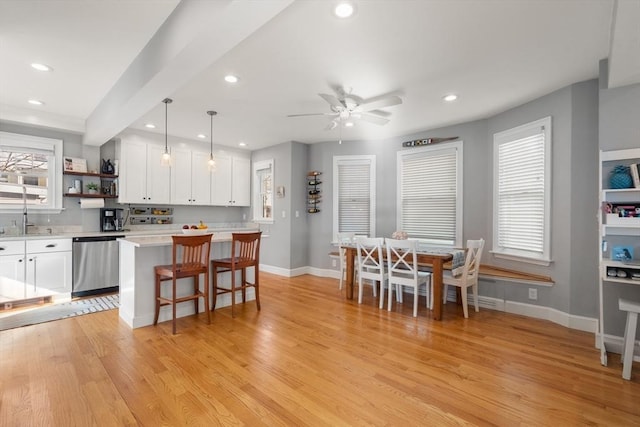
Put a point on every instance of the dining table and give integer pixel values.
(434, 258)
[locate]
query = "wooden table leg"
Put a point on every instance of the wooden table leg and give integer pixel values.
(350, 255)
(436, 282)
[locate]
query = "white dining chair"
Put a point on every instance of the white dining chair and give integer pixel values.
(344, 239)
(370, 265)
(468, 278)
(402, 267)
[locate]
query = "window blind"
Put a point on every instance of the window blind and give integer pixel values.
(428, 195)
(355, 204)
(521, 193)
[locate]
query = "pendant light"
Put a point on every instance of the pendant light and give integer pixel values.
(212, 161)
(165, 160)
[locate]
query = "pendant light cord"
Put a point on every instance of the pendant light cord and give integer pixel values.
(166, 101)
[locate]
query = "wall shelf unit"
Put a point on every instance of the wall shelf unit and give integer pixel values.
(313, 191)
(616, 231)
(107, 186)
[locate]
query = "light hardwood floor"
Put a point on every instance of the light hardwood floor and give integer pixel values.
(311, 358)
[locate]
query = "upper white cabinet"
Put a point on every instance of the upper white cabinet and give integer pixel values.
(231, 181)
(190, 178)
(142, 178)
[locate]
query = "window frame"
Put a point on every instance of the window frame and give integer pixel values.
(356, 160)
(54, 167)
(425, 151)
(257, 194)
(510, 136)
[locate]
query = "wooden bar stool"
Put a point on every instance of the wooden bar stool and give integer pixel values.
(190, 259)
(245, 253)
(632, 309)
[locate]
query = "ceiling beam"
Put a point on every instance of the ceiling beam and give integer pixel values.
(624, 53)
(195, 35)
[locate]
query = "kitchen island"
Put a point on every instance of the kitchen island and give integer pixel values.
(138, 256)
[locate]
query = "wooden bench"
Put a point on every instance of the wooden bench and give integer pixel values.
(491, 272)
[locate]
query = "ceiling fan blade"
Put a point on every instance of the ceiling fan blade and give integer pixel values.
(376, 120)
(381, 103)
(312, 114)
(332, 100)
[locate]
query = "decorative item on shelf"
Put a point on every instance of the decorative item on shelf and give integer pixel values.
(427, 141)
(92, 188)
(72, 164)
(622, 253)
(620, 178)
(107, 167)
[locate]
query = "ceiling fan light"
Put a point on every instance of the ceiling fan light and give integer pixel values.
(41, 67)
(344, 10)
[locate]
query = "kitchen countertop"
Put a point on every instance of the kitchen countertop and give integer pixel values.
(165, 240)
(127, 233)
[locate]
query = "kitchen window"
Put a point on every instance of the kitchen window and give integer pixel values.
(522, 192)
(354, 195)
(263, 191)
(30, 172)
(430, 193)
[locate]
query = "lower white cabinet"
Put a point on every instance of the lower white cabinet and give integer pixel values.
(42, 266)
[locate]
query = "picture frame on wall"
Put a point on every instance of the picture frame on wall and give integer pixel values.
(73, 164)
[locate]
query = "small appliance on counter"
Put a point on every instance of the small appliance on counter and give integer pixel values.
(111, 219)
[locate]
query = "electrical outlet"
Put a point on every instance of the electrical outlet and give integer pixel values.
(334, 263)
(533, 293)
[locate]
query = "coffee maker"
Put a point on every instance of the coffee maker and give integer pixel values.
(111, 219)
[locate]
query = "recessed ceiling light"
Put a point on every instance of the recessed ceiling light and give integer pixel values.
(202, 136)
(150, 126)
(451, 97)
(41, 67)
(349, 124)
(344, 10)
(230, 78)
(35, 102)
(242, 144)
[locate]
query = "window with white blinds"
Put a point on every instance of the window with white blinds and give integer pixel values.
(522, 165)
(430, 193)
(354, 197)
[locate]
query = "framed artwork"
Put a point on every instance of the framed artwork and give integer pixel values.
(72, 164)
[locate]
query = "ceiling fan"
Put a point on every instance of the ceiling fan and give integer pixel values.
(346, 107)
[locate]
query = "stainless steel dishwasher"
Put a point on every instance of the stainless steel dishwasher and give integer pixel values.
(95, 265)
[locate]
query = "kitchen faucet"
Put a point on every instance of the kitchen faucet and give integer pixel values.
(25, 223)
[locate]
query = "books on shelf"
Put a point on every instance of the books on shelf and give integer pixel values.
(635, 175)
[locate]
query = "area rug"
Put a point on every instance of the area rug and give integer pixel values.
(59, 311)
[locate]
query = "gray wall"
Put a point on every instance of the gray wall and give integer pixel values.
(574, 195)
(619, 128)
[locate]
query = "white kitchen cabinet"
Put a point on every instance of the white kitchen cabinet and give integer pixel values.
(616, 233)
(142, 178)
(231, 182)
(12, 267)
(190, 178)
(41, 266)
(49, 263)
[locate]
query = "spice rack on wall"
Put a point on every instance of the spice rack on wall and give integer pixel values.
(313, 191)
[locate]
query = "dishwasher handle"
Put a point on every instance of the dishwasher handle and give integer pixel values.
(96, 239)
